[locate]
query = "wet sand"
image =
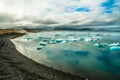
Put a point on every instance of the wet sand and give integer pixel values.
(15, 66)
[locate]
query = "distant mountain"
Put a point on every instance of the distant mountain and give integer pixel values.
(73, 29)
(113, 29)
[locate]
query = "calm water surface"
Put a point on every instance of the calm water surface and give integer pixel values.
(80, 57)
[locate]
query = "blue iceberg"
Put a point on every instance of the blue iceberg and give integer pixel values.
(59, 40)
(115, 48)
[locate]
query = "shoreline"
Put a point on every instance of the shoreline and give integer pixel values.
(25, 68)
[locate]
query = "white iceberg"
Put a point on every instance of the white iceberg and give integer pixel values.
(88, 39)
(43, 43)
(65, 41)
(114, 44)
(101, 45)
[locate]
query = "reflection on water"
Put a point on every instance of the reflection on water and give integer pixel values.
(74, 52)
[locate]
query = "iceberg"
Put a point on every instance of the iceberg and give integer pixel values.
(65, 41)
(52, 42)
(40, 37)
(43, 43)
(115, 48)
(46, 40)
(114, 44)
(59, 40)
(81, 39)
(101, 45)
(88, 39)
(73, 40)
(40, 47)
(94, 40)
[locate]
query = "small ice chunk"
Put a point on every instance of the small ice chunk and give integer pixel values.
(59, 40)
(73, 40)
(43, 43)
(115, 48)
(101, 45)
(40, 37)
(81, 39)
(52, 42)
(94, 40)
(88, 39)
(65, 41)
(40, 47)
(28, 39)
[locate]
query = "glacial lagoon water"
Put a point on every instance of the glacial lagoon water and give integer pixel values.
(89, 54)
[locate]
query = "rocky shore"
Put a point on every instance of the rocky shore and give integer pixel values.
(15, 66)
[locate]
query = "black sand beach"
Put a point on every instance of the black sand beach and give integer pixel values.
(15, 66)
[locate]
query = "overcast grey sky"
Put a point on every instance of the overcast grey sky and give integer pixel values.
(53, 13)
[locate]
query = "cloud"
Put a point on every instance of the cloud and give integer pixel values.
(55, 13)
(5, 18)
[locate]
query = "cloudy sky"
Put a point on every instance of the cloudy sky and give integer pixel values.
(57, 13)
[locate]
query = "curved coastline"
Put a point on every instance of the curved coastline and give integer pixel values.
(15, 66)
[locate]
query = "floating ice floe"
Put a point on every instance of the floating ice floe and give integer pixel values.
(52, 42)
(81, 39)
(65, 41)
(59, 40)
(28, 39)
(114, 44)
(41, 36)
(94, 40)
(43, 43)
(40, 47)
(58, 35)
(88, 39)
(101, 45)
(73, 40)
(98, 34)
(115, 48)
(46, 40)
